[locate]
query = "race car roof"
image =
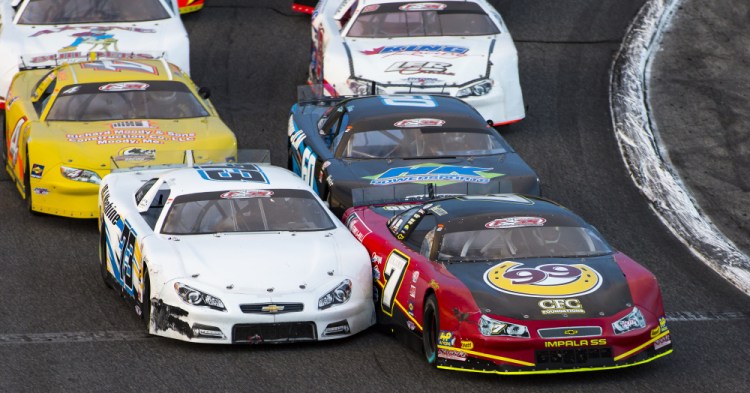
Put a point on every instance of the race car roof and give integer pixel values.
(116, 71)
(382, 112)
(475, 212)
(206, 178)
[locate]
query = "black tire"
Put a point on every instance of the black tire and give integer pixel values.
(27, 185)
(146, 305)
(5, 136)
(431, 330)
(103, 259)
(289, 163)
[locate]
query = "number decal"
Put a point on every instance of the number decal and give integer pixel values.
(306, 165)
(393, 273)
(245, 172)
(14, 145)
(550, 280)
(127, 256)
(413, 101)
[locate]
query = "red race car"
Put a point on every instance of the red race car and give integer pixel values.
(186, 6)
(508, 284)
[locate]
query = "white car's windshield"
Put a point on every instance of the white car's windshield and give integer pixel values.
(125, 101)
(246, 211)
(523, 242)
(421, 142)
(421, 20)
(53, 12)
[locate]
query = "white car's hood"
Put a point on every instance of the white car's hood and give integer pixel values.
(264, 264)
(43, 44)
(423, 60)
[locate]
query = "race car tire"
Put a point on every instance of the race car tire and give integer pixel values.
(4, 134)
(289, 162)
(27, 186)
(103, 259)
(431, 329)
(146, 305)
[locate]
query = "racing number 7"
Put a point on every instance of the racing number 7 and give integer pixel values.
(394, 271)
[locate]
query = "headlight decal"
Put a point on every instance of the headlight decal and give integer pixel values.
(339, 295)
(492, 327)
(195, 297)
(82, 175)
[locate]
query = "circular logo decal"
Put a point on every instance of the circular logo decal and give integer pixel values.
(551, 280)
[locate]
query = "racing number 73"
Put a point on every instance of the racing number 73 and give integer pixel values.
(393, 273)
(127, 254)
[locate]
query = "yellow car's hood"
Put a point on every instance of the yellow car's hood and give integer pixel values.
(117, 144)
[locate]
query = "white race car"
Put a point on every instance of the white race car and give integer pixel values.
(232, 253)
(459, 48)
(42, 33)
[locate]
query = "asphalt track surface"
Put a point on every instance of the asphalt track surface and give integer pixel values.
(61, 330)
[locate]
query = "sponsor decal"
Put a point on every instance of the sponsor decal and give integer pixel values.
(446, 338)
(418, 50)
(410, 325)
(424, 122)
(136, 154)
(244, 173)
(662, 342)
(357, 227)
(420, 67)
(561, 306)
(41, 191)
(422, 7)
(415, 276)
(120, 65)
(515, 222)
(132, 132)
(376, 273)
(110, 211)
(37, 171)
(551, 280)
(655, 331)
(452, 354)
(90, 39)
(245, 194)
(412, 291)
(89, 28)
(422, 81)
(663, 324)
(370, 8)
(438, 210)
(396, 208)
(376, 259)
(434, 285)
(575, 343)
(433, 173)
(72, 90)
(122, 86)
(466, 344)
(411, 308)
(11, 101)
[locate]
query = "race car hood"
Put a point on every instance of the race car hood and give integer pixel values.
(423, 60)
(260, 264)
(493, 174)
(583, 287)
(120, 144)
(43, 44)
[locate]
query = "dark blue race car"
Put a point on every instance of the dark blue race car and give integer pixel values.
(428, 145)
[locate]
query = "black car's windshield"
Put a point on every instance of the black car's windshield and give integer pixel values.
(125, 101)
(497, 243)
(421, 142)
(54, 12)
(246, 211)
(422, 20)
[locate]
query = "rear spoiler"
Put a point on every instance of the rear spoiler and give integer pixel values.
(316, 94)
(256, 156)
(414, 192)
(42, 61)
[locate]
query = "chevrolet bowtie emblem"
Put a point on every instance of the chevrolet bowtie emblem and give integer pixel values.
(570, 332)
(272, 308)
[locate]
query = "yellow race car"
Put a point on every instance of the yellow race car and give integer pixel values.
(67, 127)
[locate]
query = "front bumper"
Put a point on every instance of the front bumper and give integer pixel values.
(56, 195)
(549, 356)
(173, 318)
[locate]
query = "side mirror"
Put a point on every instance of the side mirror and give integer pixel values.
(204, 92)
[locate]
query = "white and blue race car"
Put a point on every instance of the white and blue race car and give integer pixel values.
(457, 48)
(232, 253)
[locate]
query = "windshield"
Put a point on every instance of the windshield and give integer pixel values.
(246, 211)
(523, 242)
(53, 12)
(424, 142)
(422, 20)
(125, 101)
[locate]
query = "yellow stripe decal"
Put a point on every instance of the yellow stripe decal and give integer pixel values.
(638, 348)
(407, 314)
(485, 355)
(571, 370)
